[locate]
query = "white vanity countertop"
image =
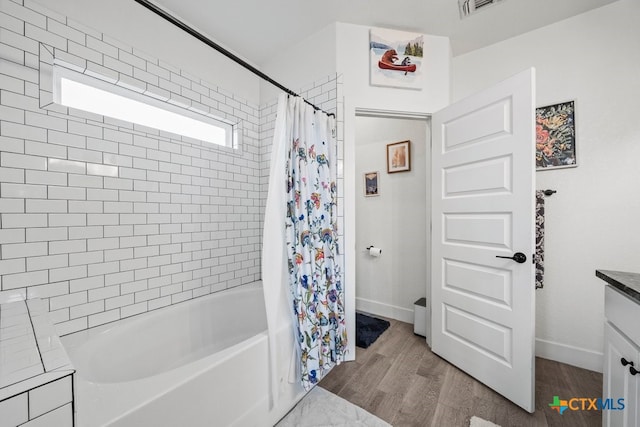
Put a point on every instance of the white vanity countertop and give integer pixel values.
(31, 353)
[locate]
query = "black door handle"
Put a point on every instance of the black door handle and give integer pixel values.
(633, 371)
(625, 362)
(518, 257)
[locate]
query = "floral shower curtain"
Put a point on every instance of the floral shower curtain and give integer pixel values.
(301, 209)
(315, 276)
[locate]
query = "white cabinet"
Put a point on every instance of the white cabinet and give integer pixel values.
(621, 374)
(618, 381)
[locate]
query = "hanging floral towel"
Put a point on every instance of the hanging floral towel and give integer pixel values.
(315, 276)
(539, 239)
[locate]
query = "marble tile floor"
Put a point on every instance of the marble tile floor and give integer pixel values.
(321, 408)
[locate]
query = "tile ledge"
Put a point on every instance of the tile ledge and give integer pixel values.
(33, 317)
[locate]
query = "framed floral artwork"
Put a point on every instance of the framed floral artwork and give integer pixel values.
(399, 157)
(371, 184)
(556, 136)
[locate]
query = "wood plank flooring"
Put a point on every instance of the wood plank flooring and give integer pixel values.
(400, 380)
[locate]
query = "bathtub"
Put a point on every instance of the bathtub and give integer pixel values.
(199, 363)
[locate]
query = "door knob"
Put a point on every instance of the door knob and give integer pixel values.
(518, 257)
(625, 362)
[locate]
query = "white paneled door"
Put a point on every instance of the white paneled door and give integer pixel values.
(483, 237)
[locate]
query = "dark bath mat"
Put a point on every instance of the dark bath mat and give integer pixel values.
(368, 329)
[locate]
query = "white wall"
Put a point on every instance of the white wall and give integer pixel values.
(352, 63)
(352, 51)
(395, 220)
(592, 222)
(344, 48)
(348, 52)
(134, 25)
(303, 63)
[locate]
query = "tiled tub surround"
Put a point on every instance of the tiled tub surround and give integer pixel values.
(140, 372)
(103, 219)
(36, 377)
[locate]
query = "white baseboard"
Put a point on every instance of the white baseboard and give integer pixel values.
(384, 310)
(576, 356)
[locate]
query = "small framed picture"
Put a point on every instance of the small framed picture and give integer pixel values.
(556, 136)
(371, 185)
(399, 157)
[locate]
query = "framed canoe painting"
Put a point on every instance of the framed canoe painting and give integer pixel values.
(396, 58)
(556, 136)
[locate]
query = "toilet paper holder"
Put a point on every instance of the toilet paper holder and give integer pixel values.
(371, 246)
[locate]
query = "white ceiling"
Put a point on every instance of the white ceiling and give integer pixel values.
(255, 29)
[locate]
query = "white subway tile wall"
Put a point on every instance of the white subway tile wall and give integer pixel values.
(43, 406)
(104, 219)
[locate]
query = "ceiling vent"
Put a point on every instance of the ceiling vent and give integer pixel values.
(469, 7)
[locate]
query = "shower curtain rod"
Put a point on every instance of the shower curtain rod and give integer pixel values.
(184, 27)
